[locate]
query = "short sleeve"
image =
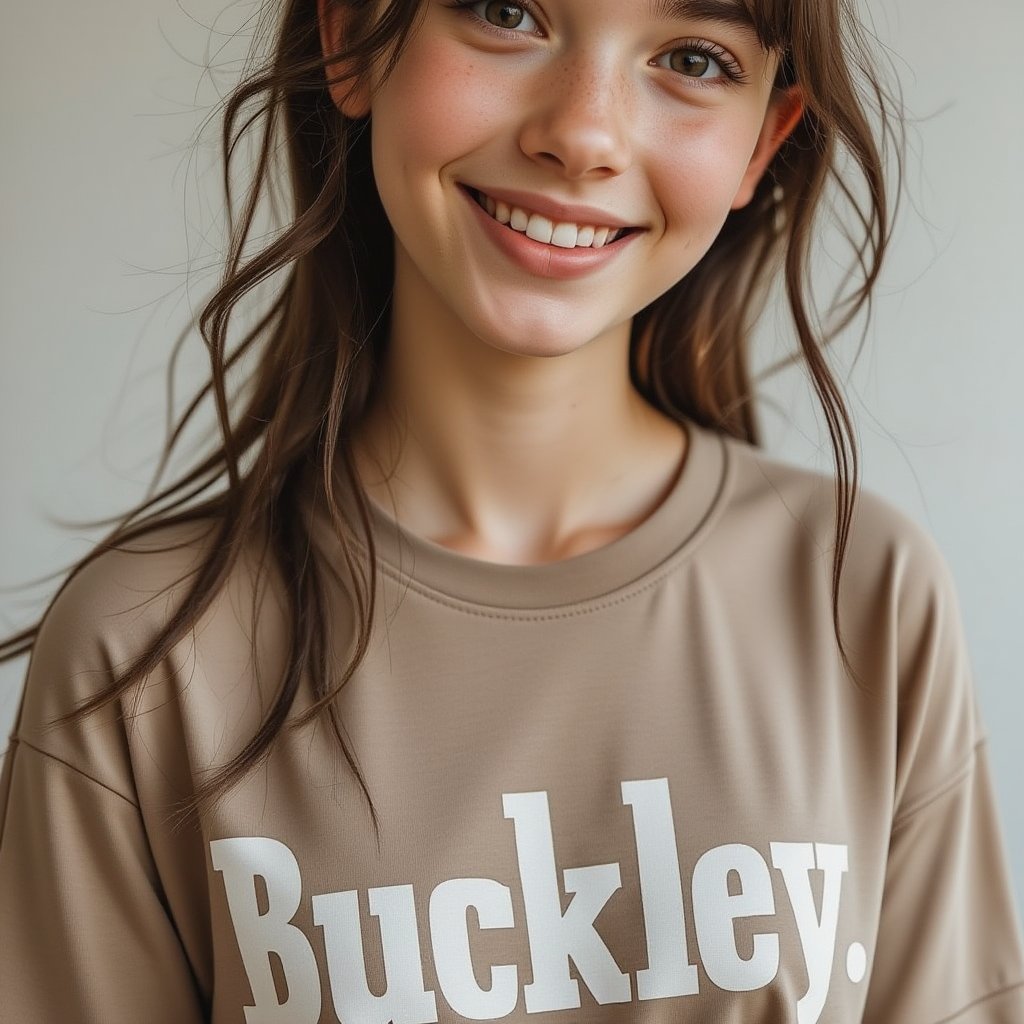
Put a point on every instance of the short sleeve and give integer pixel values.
(949, 947)
(86, 934)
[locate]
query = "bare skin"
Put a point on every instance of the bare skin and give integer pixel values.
(625, 492)
(508, 425)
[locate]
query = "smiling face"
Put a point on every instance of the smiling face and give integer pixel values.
(666, 122)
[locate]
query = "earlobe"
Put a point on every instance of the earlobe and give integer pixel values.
(352, 99)
(784, 113)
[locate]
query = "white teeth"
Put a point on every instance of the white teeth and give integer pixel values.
(533, 225)
(520, 219)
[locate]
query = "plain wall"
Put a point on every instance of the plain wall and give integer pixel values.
(112, 232)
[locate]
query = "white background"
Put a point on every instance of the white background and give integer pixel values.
(112, 231)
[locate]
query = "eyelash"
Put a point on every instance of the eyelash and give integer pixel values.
(733, 73)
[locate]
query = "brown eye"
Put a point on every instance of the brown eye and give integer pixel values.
(510, 16)
(693, 64)
(507, 20)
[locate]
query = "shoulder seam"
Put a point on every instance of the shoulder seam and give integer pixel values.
(981, 999)
(950, 783)
(67, 764)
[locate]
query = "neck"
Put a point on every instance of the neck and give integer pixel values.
(515, 459)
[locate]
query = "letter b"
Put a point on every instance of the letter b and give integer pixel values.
(240, 860)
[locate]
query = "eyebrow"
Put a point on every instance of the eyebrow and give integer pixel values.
(729, 12)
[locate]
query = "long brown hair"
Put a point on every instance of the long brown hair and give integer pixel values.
(318, 348)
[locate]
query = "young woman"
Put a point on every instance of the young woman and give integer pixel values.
(610, 738)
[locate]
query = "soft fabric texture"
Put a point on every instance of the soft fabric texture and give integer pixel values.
(634, 785)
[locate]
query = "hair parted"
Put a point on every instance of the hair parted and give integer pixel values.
(318, 348)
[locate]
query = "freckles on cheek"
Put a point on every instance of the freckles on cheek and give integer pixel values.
(446, 102)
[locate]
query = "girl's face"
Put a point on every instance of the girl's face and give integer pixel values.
(663, 120)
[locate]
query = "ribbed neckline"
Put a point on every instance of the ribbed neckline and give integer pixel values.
(673, 528)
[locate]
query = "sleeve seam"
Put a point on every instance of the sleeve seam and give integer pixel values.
(954, 780)
(67, 764)
(981, 999)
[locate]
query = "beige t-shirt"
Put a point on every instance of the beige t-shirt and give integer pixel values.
(634, 785)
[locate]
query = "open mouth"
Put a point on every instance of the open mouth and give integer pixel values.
(478, 197)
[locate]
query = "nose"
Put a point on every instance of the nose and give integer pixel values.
(579, 118)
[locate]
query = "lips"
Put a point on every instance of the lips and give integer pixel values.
(616, 233)
(540, 260)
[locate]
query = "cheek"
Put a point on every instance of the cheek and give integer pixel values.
(697, 167)
(439, 104)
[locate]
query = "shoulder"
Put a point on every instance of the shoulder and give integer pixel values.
(117, 602)
(112, 612)
(899, 610)
(888, 552)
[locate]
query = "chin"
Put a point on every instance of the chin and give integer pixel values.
(532, 344)
(544, 340)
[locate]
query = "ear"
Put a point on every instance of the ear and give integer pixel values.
(785, 109)
(353, 100)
